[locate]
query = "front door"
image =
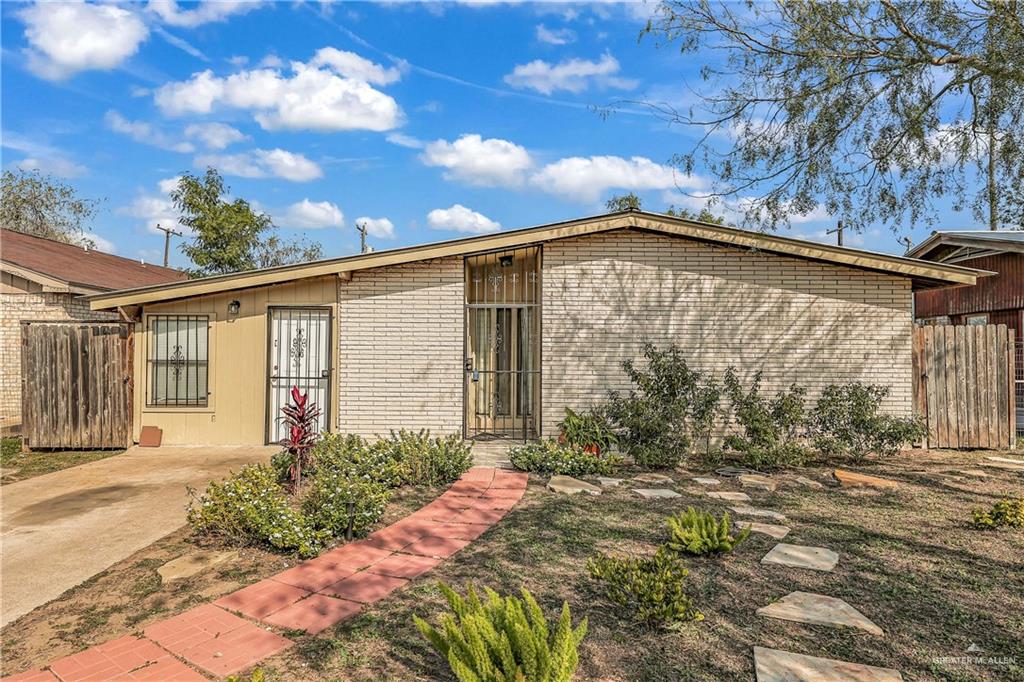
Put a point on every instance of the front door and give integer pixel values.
(300, 356)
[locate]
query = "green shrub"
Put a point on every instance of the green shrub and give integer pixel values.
(326, 502)
(426, 460)
(770, 426)
(504, 639)
(588, 430)
(651, 591)
(250, 508)
(352, 457)
(1005, 512)
(698, 532)
(548, 457)
(846, 423)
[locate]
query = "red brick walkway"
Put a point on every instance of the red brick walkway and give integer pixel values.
(232, 633)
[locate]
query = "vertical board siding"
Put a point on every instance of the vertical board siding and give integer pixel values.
(77, 389)
(964, 376)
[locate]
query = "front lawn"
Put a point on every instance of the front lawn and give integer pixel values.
(18, 465)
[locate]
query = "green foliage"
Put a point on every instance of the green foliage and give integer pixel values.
(427, 460)
(250, 508)
(1005, 512)
(43, 206)
(702, 216)
(846, 423)
(698, 532)
(257, 675)
(770, 426)
(651, 591)
(10, 448)
(229, 236)
(548, 457)
(353, 457)
(327, 500)
(589, 430)
(623, 202)
(504, 639)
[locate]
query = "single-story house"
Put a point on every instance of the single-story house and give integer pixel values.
(493, 336)
(46, 280)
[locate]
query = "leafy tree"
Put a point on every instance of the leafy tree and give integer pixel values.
(631, 202)
(43, 206)
(229, 236)
(876, 107)
(623, 202)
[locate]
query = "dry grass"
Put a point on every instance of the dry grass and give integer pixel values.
(18, 465)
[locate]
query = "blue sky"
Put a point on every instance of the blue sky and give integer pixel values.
(432, 121)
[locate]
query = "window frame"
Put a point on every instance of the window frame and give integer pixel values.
(205, 404)
(976, 319)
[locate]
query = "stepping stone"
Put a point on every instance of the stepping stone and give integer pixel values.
(188, 565)
(818, 609)
(777, 532)
(1004, 465)
(1006, 460)
(734, 497)
(572, 486)
(758, 482)
(972, 472)
(650, 493)
(800, 556)
(851, 479)
(606, 482)
(654, 479)
(733, 472)
(809, 482)
(773, 665)
(747, 510)
(707, 480)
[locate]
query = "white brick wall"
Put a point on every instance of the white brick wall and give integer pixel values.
(14, 308)
(800, 321)
(400, 348)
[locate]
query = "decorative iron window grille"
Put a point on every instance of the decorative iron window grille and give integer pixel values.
(178, 360)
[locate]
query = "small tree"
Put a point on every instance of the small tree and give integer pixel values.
(623, 202)
(42, 206)
(300, 418)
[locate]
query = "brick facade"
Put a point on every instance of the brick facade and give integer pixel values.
(800, 321)
(400, 348)
(36, 306)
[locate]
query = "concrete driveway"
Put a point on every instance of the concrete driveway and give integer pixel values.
(62, 528)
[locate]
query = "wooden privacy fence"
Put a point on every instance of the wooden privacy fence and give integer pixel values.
(76, 384)
(964, 385)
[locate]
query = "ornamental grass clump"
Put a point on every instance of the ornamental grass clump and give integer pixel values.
(649, 591)
(1004, 513)
(504, 639)
(549, 457)
(698, 532)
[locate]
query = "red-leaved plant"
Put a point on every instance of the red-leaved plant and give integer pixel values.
(300, 418)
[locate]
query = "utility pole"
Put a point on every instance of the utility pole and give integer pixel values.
(838, 231)
(167, 240)
(361, 229)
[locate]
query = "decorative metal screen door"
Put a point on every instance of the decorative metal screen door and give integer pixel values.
(299, 355)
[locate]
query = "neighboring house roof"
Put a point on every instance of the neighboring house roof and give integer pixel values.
(956, 246)
(924, 274)
(66, 267)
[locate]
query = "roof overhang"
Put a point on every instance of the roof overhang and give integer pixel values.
(49, 283)
(923, 273)
(954, 247)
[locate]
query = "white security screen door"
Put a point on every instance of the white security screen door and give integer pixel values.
(299, 355)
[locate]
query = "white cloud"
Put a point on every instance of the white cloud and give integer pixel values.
(263, 163)
(155, 209)
(146, 133)
(238, 60)
(587, 178)
(403, 140)
(214, 135)
(555, 36)
(57, 165)
(382, 228)
(572, 75)
(205, 12)
(271, 61)
(65, 38)
(461, 219)
(472, 159)
(329, 95)
(101, 243)
(313, 215)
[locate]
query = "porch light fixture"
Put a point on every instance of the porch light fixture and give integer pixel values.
(506, 261)
(234, 307)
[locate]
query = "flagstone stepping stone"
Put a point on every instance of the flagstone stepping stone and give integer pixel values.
(809, 482)
(1007, 460)
(650, 493)
(1003, 465)
(606, 482)
(774, 665)
(707, 480)
(801, 556)
(733, 472)
(734, 497)
(777, 532)
(758, 482)
(747, 510)
(852, 479)
(188, 565)
(972, 472)
(654, 479)
(818, 609)
(572, 486)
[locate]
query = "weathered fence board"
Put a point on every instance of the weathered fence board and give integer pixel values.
(77, 384)
(964, 385)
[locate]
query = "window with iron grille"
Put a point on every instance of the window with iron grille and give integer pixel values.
(178, 360)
